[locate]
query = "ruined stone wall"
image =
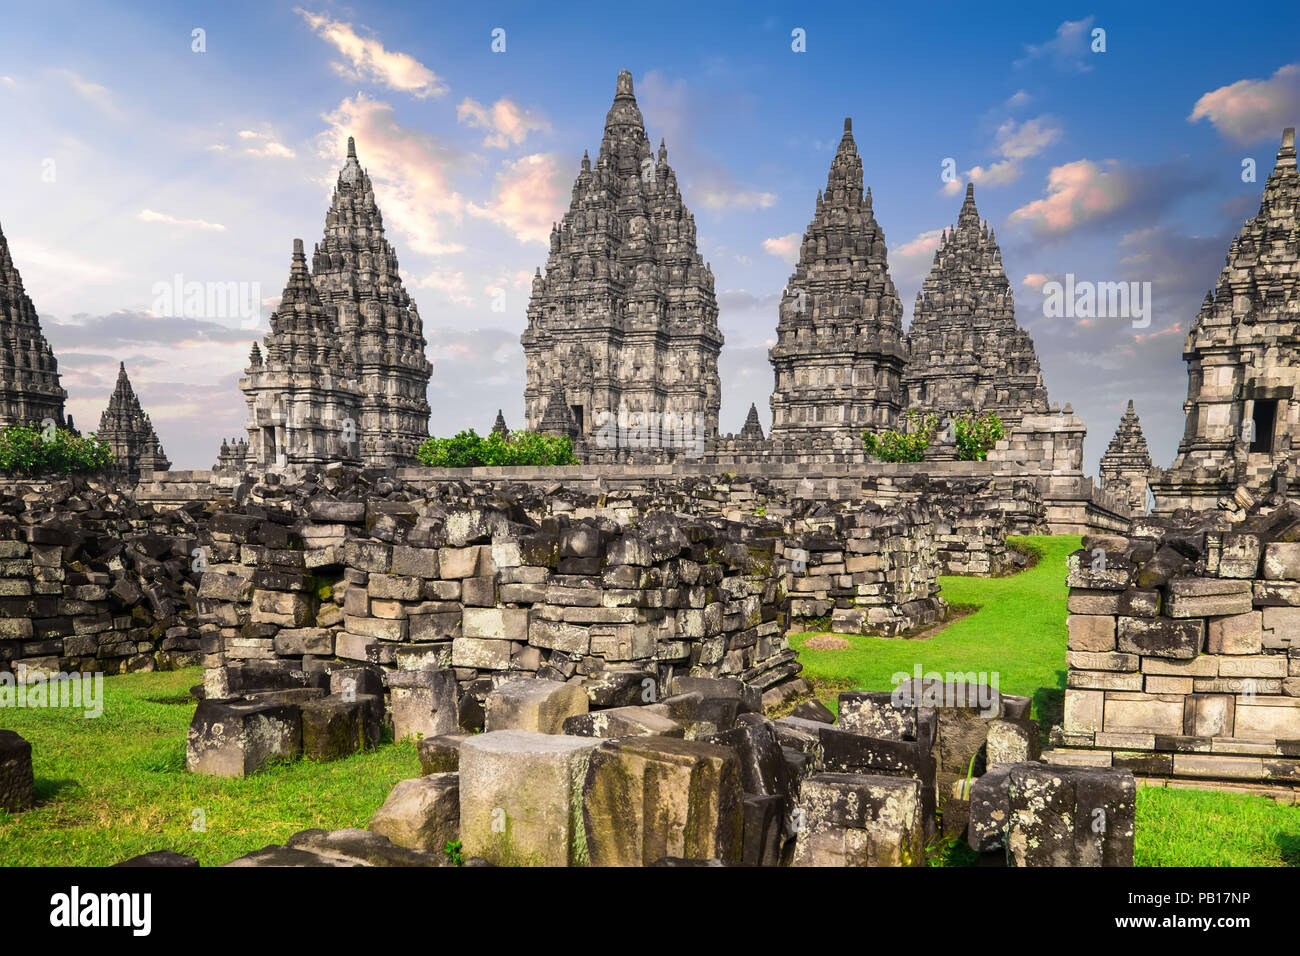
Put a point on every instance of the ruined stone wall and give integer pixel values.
(1184, 650)
(89, 581)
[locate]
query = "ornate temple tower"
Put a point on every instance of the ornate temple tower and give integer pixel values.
(839, 353)
(1126, 467)
(125, 426)
(1243, 362)
(304, 409)
(625, 317)
(355, 273)
(29, 373)
(965, 351)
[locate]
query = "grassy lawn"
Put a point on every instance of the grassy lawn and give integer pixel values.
(116, 786)
(1018, 633)
(1017, 636)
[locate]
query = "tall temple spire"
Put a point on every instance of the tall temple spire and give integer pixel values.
(29, 373)
(126, 428)
(625, 318)
(303, 401)
(356, 274)
(839, 355)
(1243, 435)
(965, 351)
(1126, 467)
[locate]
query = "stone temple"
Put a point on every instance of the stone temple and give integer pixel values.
(29, 373)
(965, 351)
(343, 375)
(303, 403)
(1126, 467)
(125, 426)
(1243, 413)
(840, 352)
(624, 323)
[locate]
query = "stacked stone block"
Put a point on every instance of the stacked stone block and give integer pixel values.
(1183, 657)
(90, 582)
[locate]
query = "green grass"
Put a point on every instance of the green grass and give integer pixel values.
(116, 786)
(1018, 634)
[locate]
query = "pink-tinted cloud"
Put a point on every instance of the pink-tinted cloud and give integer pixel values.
(411, 169)
(531, 194)
(784, 247)
(149, 215)
(368, 60)
(1251, 110)
(922, 245)
(1077, 193)
(506, 121)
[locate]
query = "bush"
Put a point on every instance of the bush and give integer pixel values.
(895, 446)
(26, 450)
(976, 436)
(973, 435)
(468, 450)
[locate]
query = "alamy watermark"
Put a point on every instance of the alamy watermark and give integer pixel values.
(76, 690)
(208, 300)
(933, 689)
(1098, 300)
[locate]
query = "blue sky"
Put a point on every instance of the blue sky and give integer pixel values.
(131, 159)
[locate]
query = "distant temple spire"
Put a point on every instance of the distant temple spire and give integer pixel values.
(127, 430)
(29, 373)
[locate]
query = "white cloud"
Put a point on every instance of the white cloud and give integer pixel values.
(148, 215)
(369, 61)
(506, 121)
(530, 194)
(98, 96)
(1250, 110)
(1067, 50)
(784, 247)
(1028, 139)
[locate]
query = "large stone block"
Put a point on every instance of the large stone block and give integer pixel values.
(1161, 637)
(646, 798)
(623, 722)
(847, 819)
(237, 738)
(17, 781)
(521, 797)
(530, 703)
(1207, 597)
(1091, 632)
(425, 703)
(422, 813)
(334, 727)
(1051, 815)
(488, 655)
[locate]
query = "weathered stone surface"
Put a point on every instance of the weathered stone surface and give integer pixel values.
(849, 819)
(645, 798)
(334, 727)
(521, 797)
(159, 858)
(440, 754)
(529, 703)
(235, 738)
(425, 703)
(623, 722)
(17, 782)
(1161, 637)
(422, 813)
(1012, 741)
(338, 848)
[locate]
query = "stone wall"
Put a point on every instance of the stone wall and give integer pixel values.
(90, 581)
(1184, 650)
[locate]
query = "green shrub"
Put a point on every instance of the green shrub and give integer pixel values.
(468, 450)
(896, 446)
(973, 436)
(33, 450)
(976, 436)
